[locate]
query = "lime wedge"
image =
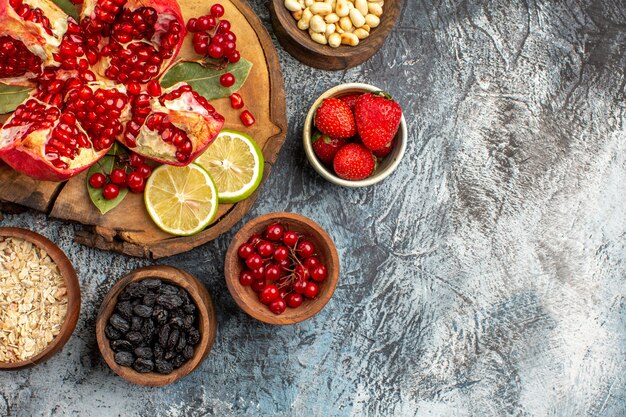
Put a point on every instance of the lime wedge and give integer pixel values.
(235, 163)
(181, 200)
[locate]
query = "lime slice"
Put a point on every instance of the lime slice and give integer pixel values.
(181, 200)
(235, 163)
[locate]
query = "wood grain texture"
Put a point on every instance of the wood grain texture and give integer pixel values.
(134, 233)
(207, 323)
(485, 277)
(300, 45)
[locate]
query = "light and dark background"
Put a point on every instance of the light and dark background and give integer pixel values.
(486, 277)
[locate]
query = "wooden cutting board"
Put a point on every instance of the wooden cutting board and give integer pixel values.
(128, 228)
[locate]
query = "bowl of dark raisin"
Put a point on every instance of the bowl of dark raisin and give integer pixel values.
(156, 325)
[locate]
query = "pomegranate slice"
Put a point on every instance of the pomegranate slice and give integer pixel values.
(46, 143)
(132, 40)
(30, 33)
(174, 128)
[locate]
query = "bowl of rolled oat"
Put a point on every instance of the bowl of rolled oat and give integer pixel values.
(39, 298)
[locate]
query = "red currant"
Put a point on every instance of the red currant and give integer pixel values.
(215, 51)
(312, 262)
(294, 300)
(285, 264)
(246, 278)
(299, 286)
(218, 39)
(258, 285)
(274, 232)
(278, 307)
(136, 160)
(229, 47)
(192, 25)
(269, 294)
(272, 273)
(319, 274)
(110, 191)
(217, 10)
(224, 26)
(144, 170)
(118, 176)
(201, 42)
(234, 57)
(227, 80)
(290, 238)
(135, 180)
(247, 118)
(311, 290)
(306, 249)
(97, 180)
(281, 253)
(245, 251)
(254, 262)
(206, 22)
(259, 273)
(302, 273)
(265, 249)
(236, 102)
(230, 36)
(255, 239)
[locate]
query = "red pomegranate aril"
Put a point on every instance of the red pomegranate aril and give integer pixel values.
(110, 191)
(278, 306)
(319, 274)
(236, 102)
(268, 294)
(294, 300)
(154, 88)
(247, 118)
(245, 251)
(311, 290)
(118, 176)
(290, 238)
(254, 262)
(306, 249)
(265, 249)
(217, 10)
(227, 80)
(281, 253)
(97, 180)
(274, 232)
(272, 273)
(246, 278)
(258, 285)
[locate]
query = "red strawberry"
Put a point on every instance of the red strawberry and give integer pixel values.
(326, 147)
(381, 153)
(350, 100)
(354, 162)
(335, 119)
(377, 119)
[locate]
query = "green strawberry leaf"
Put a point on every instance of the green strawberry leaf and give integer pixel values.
(68, 7)
(106, 165)
(11, 97)
(206, 81)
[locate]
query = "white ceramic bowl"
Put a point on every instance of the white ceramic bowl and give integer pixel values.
(384, 169)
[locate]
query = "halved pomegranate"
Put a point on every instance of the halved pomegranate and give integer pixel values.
(132, 40)
(30, 33)
(46, 143)
(174, 128)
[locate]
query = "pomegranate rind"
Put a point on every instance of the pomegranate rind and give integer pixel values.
(33, 36)
(25, 153)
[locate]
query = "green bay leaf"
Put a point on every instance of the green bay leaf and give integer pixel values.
(12, 96)
(206, 81)
(105, 165)
(68, 7)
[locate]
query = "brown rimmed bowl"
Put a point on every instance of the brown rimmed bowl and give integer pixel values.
(248, 300)
(206, 316)
(300, 45)
(73, 295)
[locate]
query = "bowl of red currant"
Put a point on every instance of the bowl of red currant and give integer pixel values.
(281, 268)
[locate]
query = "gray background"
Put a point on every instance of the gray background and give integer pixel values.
(484, 278)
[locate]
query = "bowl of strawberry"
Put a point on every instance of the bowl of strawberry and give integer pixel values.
(355, 135)
(281, 268)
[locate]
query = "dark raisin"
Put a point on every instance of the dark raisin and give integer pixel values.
(177, 321)
(136, 290)
(169, 301)
(168, 289)
(151, 284)
(120, 323)
(160, 314)
(111, 333)
(136, 323)
(125, 308)
(164, 335)
(136, 338)
(149, 299)
(172, 341)
(124, 358)
(158, 352)
(188, 321)
(124, 296)
(135, 302)
(178, 361)
(144, 352)
(142, 311)
(188, 352)
(148, 330)
(120, 345)
(143, 365)
(182, 342)
(193, 336)
(169, 355)
(163, 367)
(189, 308)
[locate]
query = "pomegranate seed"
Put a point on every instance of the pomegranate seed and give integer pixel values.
(154, 88)
(247, 118)
(236, 102)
